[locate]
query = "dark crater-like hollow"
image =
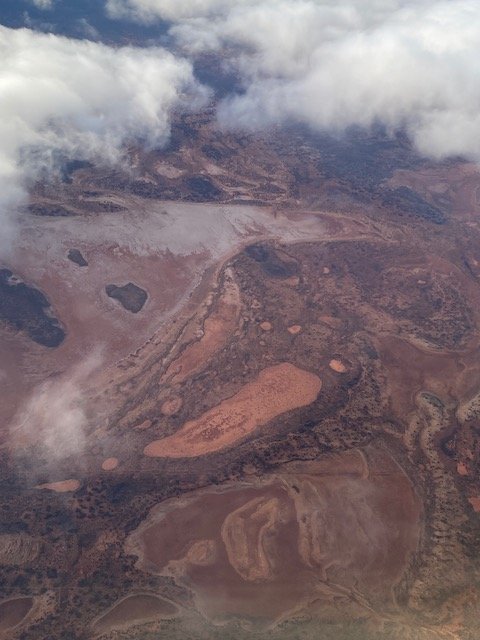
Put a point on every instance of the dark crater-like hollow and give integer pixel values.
(24, 308)
(131, 297)
(202, 189)
(76, 256)
(272, 263)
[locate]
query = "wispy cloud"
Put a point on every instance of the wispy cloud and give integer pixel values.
(331, 64)
(43, 4)
(55, 416)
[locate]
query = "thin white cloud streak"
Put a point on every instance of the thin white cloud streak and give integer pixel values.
(83, 99)
(410, 63)
(87, 30)
(149, 10)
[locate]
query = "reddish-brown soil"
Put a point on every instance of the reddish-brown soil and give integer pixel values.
(218, 326)
(380, 268)
(457, 183)
(132, 610)
(13, 611)
(261, 549)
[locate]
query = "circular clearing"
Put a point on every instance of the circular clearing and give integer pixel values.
(294, 329)
(337, 365)
(110, 464)
(462, 469)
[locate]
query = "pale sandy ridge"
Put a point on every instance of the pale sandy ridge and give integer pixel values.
(63, 486)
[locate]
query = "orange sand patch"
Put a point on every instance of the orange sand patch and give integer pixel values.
(110, 464)
(475, 502)
(462, 469)
(266, 326)
(277, 389)
(337, 365)
(60, 487)
(171, 407)
(258, 518)
(216, 329)
(294, 329)
(331, 322)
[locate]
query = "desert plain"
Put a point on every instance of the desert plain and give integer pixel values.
(241, 396)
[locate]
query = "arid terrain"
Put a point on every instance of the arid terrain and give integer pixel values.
(241, 394)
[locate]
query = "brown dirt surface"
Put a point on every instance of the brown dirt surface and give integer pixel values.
(343, 518)
(265, 546)
(217, 327)
(132, 610)
(277, 389)
(174, 266)
(13, 611)
(18, 549)
(171, 406)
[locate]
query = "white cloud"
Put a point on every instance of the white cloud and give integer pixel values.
(82, 98)
(171, 9)
(43, 4)
(87, 30)
(330, 64)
